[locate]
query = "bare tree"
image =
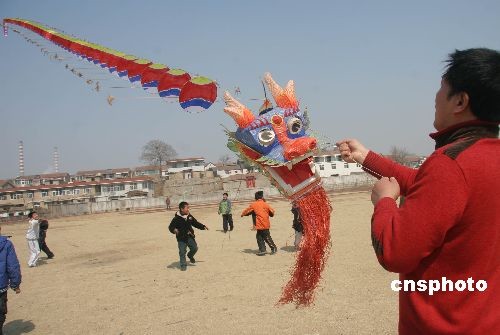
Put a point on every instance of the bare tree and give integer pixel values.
(156, 152)
(224, 159)
(245, 164)
(399, 155)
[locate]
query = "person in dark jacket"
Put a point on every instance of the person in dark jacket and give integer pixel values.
(297, 226)
(182, 226)
(10, 275)
(44, 225)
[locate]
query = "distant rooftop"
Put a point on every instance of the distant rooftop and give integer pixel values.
(45, 176)
(76, 184)
(186, 159)
(94, 172)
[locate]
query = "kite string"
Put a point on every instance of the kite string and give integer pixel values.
(322, 137)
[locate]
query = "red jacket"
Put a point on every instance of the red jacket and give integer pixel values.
(449, 226)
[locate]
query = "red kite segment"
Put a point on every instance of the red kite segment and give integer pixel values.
(196, 93)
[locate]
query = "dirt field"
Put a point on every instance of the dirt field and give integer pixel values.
(118, 273)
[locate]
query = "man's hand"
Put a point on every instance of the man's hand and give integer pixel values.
(352, 151)
(176, 231)
(385, 187)
(17, 290)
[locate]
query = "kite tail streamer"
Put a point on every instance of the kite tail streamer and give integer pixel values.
(314, 210)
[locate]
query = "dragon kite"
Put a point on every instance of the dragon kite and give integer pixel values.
(276, 141)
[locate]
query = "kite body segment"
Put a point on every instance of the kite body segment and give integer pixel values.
(194, 93)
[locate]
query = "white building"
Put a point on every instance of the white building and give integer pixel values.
(150, 170)
(327, 164)
(42, 179)
(120, 188)
(196, 164)
(228, 170)
(78, 191)
(97, 175)
(330, 164)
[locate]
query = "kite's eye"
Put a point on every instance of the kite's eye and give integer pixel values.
(294, 125)
(266, 137)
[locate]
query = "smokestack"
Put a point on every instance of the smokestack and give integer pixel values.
(21, 158)
(56, 160)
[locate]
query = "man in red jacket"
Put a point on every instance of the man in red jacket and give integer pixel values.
(445, 238)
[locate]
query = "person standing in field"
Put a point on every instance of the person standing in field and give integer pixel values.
(225, 211)
(32, 238)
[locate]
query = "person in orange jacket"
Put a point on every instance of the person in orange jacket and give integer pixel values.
(262, 212)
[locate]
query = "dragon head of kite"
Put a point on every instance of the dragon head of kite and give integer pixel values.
(276, 139)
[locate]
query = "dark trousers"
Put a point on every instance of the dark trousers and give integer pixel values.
(264, 236)
(227, 219)
(44, 247)
(193, 248)
(3, 309)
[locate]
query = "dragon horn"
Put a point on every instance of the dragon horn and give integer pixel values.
(285, 98)
(241, 114)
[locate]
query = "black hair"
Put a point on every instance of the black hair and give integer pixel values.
(225, 193)
(259, 195)
(182, 204)
(477, 73)
(30, 215)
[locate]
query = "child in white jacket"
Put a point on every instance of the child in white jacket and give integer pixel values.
(32, 237)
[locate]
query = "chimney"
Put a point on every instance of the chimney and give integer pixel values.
(56, 160)
(21, 158)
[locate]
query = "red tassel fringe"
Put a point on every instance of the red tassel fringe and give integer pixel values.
(314, 249)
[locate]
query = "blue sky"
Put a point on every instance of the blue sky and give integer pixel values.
(364, 69)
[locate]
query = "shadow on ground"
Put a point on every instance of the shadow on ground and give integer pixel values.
(222, 231)
(177, 265)
(288, 248)
(250, 251)
(18, 327)
(41, 261)
(174, 265)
